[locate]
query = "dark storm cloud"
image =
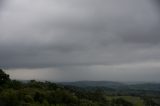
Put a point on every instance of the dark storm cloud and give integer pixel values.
(1, 4)
(78, 28)
(1, 1)
(84, 35)
(157, 2)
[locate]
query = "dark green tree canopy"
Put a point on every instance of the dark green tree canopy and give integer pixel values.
(3, 76)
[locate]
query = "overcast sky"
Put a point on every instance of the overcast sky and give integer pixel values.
(70, 40)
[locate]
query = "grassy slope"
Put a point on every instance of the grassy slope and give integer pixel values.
(137, 101)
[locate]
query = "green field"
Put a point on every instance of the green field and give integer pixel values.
(136, 101)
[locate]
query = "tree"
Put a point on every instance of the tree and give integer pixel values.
(3, 76)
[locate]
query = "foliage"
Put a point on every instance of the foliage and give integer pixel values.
(35, 93)
(3, 77)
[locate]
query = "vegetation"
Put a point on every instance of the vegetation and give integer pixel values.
(3, 77)
(34, 93)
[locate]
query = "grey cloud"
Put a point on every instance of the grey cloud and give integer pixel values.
(75, 33)
(1, 4)
(78, 33)
(157, 2)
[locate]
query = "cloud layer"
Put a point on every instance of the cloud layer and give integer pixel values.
(79, 36)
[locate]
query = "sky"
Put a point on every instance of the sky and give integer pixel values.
(72, 40)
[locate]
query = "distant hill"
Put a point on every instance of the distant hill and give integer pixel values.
(98, 84)
(146, 86)
(115, 85)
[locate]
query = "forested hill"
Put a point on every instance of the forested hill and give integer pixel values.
(36, 93)
(33, 93)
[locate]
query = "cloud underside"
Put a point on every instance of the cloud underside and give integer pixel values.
(82, 34)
